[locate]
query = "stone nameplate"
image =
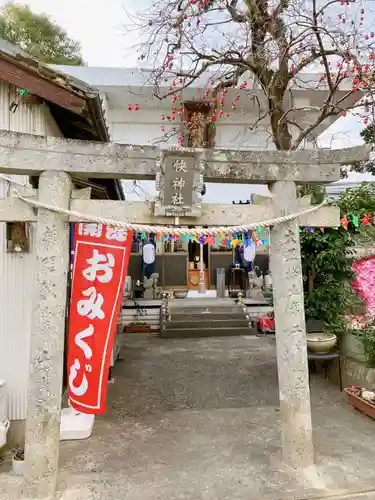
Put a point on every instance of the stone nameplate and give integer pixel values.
(179, 184)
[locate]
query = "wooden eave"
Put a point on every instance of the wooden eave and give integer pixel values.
(50, 88)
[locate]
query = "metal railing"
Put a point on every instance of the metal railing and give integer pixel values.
(241, 303)
(164, 311)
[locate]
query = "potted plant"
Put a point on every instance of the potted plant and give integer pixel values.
(320, 342)
(362, 400)
(352, 343)
(18, 461)
(368, 341)
(138, 326)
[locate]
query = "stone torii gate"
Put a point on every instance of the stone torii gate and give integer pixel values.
(55, 160)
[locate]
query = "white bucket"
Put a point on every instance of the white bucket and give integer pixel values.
(18, 466)
(75, 425)
(4, 427)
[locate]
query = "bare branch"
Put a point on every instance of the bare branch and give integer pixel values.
(263, 49)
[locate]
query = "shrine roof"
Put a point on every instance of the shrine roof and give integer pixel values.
(100, 76)
(122, 86)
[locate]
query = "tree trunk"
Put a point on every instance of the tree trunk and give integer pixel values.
(311, 281)
(280, 131)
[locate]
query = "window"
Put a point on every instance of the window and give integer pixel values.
(136, 245)
(139, 240)
(198, 134)
(220, 248)
(173, 246)
(17, 237)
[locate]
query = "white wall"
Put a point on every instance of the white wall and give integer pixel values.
(17, 270)
(144, 127)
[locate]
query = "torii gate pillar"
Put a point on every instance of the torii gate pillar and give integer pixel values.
(47, 339)
(292, 365)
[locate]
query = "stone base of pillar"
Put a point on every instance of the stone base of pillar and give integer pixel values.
(309, 477)
(296, 434)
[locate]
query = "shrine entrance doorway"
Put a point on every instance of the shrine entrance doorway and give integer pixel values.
(196, 254)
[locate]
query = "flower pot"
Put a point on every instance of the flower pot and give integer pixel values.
(320, 343)
(351, 345)
(18, 466)
(359, 403)
(137, 328)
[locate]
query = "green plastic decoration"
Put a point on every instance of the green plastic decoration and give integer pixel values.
(355, 220)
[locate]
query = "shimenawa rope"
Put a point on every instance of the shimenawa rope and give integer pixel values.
(170, 229)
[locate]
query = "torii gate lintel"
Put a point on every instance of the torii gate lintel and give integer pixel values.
(31, 155)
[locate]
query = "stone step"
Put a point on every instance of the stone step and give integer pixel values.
(206, 332)
(208, 323)
(204, 302)
(203, 317)
(205, 310)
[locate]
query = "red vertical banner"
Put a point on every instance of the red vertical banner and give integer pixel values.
(101, 258)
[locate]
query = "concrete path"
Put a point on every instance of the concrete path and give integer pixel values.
(199, 420)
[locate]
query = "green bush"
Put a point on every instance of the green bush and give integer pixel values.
(327, 260)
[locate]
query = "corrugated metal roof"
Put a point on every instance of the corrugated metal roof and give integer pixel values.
(12, 50)
(102, 77)
(353, 181)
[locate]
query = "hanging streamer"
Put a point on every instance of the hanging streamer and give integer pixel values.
(231, 240)
(355, 220)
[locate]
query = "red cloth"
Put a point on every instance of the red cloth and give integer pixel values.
(266, 323)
